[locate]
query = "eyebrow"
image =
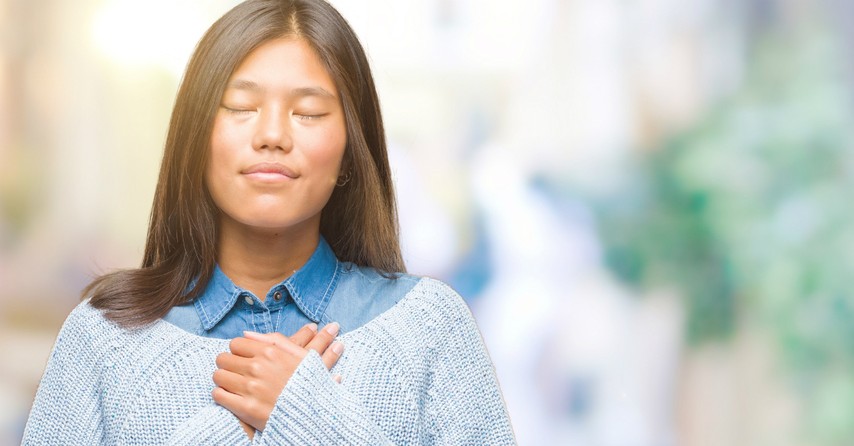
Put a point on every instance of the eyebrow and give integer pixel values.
(243, 84)
(313, 91)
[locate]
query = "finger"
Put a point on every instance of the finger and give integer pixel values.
(262, 337)
(250, 431)
(248, 348)
(337, 378)
(265, 340)
(274, 338)
(259, 343)
(230, 381)
(237, 405)
(233, 363)
(304, 334)
(324, 338)
(332, 354)
(230, 401)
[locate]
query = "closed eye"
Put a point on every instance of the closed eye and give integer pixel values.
(237, 111)
(308, 117)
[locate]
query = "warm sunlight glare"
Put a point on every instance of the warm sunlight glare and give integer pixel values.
(159, 33)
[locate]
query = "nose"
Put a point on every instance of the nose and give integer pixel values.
(273, 130)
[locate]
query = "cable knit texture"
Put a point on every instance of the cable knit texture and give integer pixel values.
(417, 374)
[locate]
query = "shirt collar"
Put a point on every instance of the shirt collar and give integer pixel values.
(310, 287)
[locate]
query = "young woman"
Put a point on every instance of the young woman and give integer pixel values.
(274, 215)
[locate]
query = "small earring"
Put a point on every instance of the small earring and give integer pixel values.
(344, 179)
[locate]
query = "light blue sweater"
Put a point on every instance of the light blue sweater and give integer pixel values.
(417, 374)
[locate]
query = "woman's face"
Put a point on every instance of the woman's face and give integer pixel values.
(278, 139)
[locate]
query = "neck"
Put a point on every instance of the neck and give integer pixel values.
(258, 259)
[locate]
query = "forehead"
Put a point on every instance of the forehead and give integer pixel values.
(284, 63)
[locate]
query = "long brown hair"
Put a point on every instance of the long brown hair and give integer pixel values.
(360, 219)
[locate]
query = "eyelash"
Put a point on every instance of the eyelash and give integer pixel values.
(309, 117)
(238, 111)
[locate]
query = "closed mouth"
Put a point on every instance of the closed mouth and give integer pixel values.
(270, 169)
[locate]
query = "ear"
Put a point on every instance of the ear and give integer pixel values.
(345, 172)
(344, 178)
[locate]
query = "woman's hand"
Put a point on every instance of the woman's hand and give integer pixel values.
(252, 376)
(250, 431)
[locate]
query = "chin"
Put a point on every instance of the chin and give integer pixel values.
(270, 215)
(267, 223)
(275, 221)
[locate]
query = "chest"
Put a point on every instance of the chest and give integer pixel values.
(285, 318)
(148, 397)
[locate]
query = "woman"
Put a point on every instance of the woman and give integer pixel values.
(274, 214)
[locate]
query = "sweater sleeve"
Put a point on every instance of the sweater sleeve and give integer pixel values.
(67, 406)
(211, 425)
(461, 400)
(315, 410)
(464, 404)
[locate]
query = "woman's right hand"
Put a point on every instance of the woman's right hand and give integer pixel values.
(252, 376)
(308, 338)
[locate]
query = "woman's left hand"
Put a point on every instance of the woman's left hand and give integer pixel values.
(252, 376)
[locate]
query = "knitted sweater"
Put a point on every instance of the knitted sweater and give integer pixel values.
(417, 374)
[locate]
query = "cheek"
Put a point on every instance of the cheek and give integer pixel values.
(219, 160)
(223, 137)
(328, 161)
(329, 152)
(337, 143)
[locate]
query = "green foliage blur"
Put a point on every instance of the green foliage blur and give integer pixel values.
(748, 215)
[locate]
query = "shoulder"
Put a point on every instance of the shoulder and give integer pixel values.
(429, 310)
(90, 323)
(84, 340)
(87, 328)
(434, 300)
(89, 339)
(374, 279)
(362, 293)
(432, 326)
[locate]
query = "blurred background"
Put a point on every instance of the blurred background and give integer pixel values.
(641, 200)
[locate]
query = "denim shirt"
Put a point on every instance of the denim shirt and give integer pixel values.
(324, 290)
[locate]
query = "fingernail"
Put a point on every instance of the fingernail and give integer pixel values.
(337, 348)
(250, 333)
(313, 327)
(332, 328)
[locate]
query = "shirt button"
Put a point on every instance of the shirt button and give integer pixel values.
(277, 296)
(249, 300)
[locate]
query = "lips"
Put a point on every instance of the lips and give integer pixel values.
(270, 171)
